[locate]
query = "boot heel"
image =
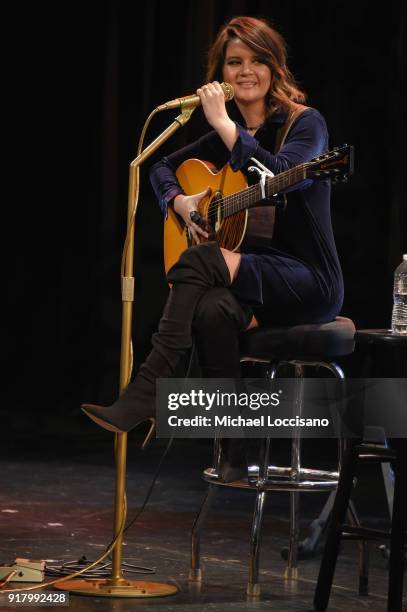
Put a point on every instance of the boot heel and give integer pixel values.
(149, 435)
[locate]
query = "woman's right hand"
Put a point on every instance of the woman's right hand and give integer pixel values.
(184, 205)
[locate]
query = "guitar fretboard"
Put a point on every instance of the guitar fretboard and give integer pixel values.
(250, 196)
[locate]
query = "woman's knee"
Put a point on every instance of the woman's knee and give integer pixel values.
(219, 307)
(203, 263)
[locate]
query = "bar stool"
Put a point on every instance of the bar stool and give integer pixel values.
(299, 346)
(360, 452)
(383, 354)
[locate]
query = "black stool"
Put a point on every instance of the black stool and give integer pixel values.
(383, 354)
(299, 346)
(386, 356)
(356, 453)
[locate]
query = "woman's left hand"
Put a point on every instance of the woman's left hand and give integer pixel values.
(213, 104)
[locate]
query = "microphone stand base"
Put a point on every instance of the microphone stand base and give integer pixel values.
(125, 588)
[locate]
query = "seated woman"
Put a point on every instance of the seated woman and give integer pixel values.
(216, 293)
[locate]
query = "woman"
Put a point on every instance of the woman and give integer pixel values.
(217, 293)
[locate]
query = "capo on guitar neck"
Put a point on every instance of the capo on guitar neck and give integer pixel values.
(263, 173)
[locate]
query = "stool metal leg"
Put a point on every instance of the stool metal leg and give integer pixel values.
(217, 451)
(195, 572)
(264, 453)
(253, 586)
(291, 571)
(309, 547)
(339, 374)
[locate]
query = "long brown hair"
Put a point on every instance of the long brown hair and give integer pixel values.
(268, 44)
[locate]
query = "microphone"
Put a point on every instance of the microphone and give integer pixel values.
(194, 100)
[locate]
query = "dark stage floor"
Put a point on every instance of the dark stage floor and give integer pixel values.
(57, 498)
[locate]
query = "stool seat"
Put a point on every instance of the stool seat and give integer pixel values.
(310, 341)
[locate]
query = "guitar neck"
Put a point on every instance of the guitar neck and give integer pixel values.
(247, 198)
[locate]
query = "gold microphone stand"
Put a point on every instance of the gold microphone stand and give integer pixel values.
(116, 585)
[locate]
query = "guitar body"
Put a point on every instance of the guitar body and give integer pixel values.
(195, 176)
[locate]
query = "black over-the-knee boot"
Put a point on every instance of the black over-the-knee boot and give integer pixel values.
(199, 268)
(218, 321)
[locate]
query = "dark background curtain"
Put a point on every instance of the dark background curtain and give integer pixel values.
(84, 79)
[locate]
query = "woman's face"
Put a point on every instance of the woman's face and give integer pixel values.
(242, 68)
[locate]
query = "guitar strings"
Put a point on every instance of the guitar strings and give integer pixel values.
(234, 203)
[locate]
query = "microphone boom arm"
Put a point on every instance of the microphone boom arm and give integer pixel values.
(178, 122)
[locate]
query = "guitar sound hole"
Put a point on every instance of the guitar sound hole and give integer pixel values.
(215, 212)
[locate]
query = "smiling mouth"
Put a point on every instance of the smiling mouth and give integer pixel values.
(247, 84)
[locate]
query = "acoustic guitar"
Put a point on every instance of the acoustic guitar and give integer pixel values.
(226, 209)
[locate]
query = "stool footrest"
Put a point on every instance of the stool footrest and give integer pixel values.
(350, 532)
(286, 472)
(323, 482)
(375, 452)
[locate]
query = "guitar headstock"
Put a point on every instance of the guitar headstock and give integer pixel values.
(336, 165)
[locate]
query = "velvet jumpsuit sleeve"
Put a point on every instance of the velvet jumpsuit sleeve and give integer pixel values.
(162, 174)
(307, 138)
